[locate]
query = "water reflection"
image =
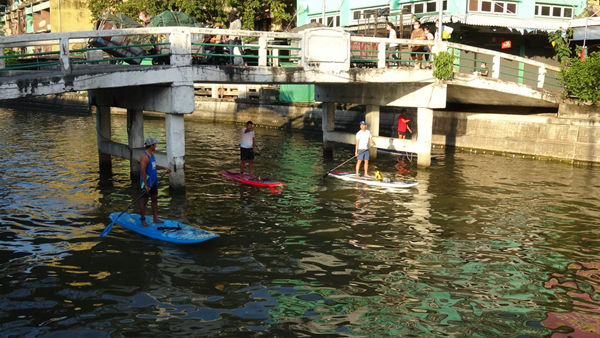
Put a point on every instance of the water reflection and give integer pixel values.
(484, 245)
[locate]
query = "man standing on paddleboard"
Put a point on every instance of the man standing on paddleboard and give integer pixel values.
(247, 147)
(149, 179)
(361, 150)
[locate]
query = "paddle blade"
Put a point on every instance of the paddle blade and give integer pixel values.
(107, 229)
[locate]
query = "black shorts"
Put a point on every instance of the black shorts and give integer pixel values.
(153, 191)
(246, 154)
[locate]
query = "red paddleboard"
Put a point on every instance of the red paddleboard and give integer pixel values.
(251, 179)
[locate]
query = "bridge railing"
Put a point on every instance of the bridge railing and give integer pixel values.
(384, 52)
(186, 45)
(156, 45)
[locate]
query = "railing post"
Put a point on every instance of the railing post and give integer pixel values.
(2, 60)
(541, 77)
(181, 48)
(496, 67)
(64, 55)
(275, 57)
(262, 50)
(381, 55)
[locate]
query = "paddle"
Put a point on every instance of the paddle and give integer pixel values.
(346, 161)
(109, 227)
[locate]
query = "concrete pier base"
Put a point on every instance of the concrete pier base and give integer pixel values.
(327, 124)
(135, 135)
(372, 119)
(103, 136)
(425, 127)
(175, 132)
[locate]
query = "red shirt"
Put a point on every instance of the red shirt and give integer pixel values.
(401, 123)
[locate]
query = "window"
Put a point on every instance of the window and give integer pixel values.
(511, 8)
(499, 7)
(431, 7)
(554, 11)
(332, 20)
(491, 6)
(486, 6)
(423, 7)
(368, 14)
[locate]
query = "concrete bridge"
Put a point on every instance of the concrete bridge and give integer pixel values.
(343, 68)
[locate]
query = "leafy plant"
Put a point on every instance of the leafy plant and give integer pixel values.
(581, 78)
(560, 42)
(444, 65)
(9, 61)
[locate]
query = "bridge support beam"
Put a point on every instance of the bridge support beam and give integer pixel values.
(103, 135)
(327, 125)
(135, 134)
(372, 119)
(175, 132)
(424, 133)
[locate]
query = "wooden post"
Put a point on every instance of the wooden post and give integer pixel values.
(327, 125)
(181, 48)
(64, 55)
(175, 133)
(275, 57)
(372, 119)
(135, 135)
(541, 77)
(381, 55)
(103, 137)
(424, 133)
(496, 67)
(262, 50)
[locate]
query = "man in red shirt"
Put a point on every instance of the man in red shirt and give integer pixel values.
(403, 125)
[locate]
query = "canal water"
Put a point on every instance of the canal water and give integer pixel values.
(484, 245)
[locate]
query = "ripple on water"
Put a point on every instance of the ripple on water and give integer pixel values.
(484, 245)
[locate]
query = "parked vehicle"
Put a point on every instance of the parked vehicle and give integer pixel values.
(130, 49)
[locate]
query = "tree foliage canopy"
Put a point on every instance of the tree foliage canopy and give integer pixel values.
(205, 11)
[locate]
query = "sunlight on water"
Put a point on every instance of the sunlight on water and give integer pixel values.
(484, 245)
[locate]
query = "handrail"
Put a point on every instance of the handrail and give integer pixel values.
(37, 37)
(182, 49)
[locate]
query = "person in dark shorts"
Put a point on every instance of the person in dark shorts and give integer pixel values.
(247, 148)
(364, 141)
(149, 180)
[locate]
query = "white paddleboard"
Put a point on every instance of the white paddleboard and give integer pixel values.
(388, 183)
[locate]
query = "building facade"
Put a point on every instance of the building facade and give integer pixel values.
(41, 16)
(482, 23)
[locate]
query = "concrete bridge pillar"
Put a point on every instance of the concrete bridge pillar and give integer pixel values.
(327, 125)
(175, 132)
(135, 134)
(424, 133)
(372, 119)
(103, 136)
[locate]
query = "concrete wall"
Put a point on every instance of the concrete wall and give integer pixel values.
(70, 16)
(576, 140)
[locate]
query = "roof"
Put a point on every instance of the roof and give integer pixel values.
(521, 24)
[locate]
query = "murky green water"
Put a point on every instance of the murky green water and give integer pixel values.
(484, 245)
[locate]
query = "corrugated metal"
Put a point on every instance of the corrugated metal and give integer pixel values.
(503, 21)
(593, 33)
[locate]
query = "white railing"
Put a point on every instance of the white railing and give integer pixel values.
(372, 52)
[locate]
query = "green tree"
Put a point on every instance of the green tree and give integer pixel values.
(206, 11)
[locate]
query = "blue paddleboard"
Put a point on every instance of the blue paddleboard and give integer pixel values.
(169, 231)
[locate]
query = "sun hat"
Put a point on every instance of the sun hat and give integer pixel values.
(150, 141)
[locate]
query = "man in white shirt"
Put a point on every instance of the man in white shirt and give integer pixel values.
(361, 150)
(247, 147)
